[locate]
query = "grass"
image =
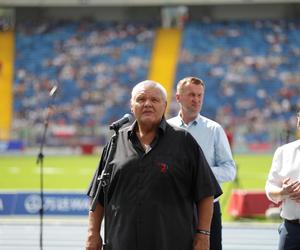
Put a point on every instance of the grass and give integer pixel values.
(60, 172)
(74, 173)
(252, 172)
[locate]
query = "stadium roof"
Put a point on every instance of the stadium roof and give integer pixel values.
(58, 3)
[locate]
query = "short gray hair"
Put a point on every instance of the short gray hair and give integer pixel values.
(149, 84)
(190, 79)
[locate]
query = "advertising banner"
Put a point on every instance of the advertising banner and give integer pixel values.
(54, 204)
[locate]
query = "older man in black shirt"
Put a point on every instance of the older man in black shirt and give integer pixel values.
(159, 174)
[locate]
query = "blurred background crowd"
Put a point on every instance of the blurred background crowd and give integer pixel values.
(250, 67)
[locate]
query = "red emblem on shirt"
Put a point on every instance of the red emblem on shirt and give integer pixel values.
(163, 167)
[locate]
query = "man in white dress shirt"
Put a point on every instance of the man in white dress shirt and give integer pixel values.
(283, 185)
(212, 139)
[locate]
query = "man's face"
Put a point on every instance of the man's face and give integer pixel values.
(148, 106)
(191, 98)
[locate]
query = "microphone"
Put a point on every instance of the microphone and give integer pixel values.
(50, 109)
(119, 123)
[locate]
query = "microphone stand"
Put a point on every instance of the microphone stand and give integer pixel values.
(40, 160)
(104, 181)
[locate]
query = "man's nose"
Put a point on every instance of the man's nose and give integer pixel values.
(196, 99)
(148, 102)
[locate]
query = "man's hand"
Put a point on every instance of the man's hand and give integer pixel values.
(291, 189)
(93, 242)
(201, 242)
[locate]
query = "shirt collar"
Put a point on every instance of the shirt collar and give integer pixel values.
(194, 122)
(161, 128)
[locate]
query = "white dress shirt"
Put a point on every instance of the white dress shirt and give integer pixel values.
(286, 163)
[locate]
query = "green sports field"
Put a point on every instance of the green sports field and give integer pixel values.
(74, 173)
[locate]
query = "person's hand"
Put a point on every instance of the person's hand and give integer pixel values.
(291, 189)
(201, 242)
(93, 242)
(295, 196)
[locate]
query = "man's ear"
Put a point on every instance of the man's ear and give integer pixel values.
(131, 109)
(177, 97)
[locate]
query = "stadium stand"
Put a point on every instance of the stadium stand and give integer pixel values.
(249, 66)
(250, 69)
(94, 63)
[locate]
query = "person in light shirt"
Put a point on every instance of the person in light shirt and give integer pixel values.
(283, 185)
(212, 139)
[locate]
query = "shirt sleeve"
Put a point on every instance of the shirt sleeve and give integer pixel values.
(224, 167)
(274, 180)
(92, 189)
(204, 183)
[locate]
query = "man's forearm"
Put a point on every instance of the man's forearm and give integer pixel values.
(95, 218)
(205, 212)
(275, 194)
(93, 241)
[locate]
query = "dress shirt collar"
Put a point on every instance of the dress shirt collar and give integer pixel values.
(194, 122)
